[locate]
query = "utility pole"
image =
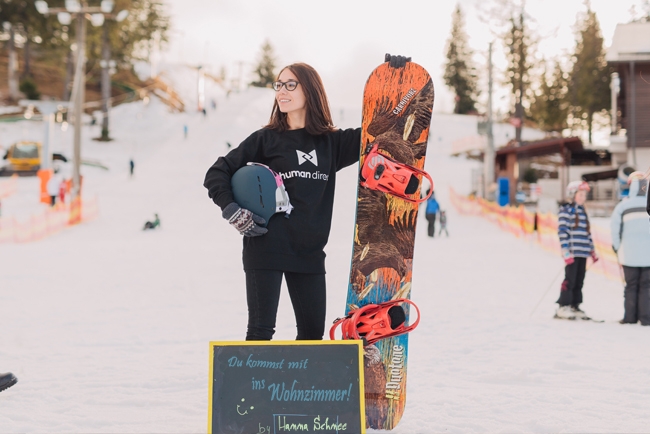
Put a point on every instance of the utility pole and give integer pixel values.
(488, 158)
(80, 11)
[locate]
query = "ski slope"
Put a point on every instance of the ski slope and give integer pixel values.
(107, 327)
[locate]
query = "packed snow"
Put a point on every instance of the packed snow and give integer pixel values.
(107, 326)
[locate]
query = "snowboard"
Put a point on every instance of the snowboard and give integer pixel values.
(397, 104)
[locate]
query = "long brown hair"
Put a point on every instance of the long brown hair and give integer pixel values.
(318, 119)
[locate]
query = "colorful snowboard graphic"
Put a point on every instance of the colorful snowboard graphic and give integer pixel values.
(397, 107)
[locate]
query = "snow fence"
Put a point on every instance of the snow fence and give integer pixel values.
(9, 186)
(540, 228)
(49, 222)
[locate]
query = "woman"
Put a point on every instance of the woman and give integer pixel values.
(301, 144)
(577, 245)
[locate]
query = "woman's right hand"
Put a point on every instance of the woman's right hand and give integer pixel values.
(244, 221)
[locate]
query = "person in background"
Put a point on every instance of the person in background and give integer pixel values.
(54, 187)
(131, 166)
(152, 224)
(577, 245)
(7, 380)
(430, 213)
(631, 242)
(443, 223)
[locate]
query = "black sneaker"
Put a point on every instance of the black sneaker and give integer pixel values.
(7, 380)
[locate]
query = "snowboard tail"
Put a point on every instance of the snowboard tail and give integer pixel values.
(396, 116)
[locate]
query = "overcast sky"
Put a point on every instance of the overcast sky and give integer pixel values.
(345, 39)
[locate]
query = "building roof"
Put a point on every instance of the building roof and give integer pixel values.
(631, 42)
(542, 147)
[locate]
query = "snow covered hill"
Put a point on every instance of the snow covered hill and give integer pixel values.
(107, 327)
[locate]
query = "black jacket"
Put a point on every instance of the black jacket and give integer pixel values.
(308, 166)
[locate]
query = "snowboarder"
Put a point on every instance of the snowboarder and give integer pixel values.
(631, 242)
(431, 212)
(577, 245)
(301, 143)
(443, 223)
(152, 224)
(7, 380)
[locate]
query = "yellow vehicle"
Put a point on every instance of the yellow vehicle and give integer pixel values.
(23, 158)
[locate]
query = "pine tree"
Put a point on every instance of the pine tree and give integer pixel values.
(518, 43)
(460, 75)
(589, 83)
(265, 69)
(550, 108)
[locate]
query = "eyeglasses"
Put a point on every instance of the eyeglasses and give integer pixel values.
(290, 85)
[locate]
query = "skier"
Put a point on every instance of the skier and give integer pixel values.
(443, 223)
(7, 380)
(631, 242)
(577, 245)
(430, 214)
(301, 143)
(131, 166)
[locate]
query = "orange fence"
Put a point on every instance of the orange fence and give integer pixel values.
(521, 222)
(9, 186)
(49, 222)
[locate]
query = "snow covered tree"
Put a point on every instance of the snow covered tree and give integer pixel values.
(460, 75)
(265, 69)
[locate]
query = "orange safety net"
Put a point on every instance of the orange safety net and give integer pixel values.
(521, 222)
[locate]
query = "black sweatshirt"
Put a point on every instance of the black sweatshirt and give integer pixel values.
(308, 166)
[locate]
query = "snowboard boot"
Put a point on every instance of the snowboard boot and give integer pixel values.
(7, 380)
(565, 312)
(373, 322)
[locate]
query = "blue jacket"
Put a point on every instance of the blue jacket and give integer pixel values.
(574, 238)
(432, 205)
(630, 227)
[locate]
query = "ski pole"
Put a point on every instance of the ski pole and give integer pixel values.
(550, 286)
(546, 292)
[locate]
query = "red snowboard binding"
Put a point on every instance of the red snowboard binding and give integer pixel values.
(380, 172)
(373, 322)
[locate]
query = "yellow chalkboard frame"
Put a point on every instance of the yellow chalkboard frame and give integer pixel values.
(358, 343)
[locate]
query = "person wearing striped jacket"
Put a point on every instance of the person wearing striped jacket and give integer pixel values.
(631, 242)
(577, 245)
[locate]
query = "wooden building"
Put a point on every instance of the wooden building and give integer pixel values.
(630, 56)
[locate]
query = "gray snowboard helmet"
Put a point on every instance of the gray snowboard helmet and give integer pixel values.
(260, 190)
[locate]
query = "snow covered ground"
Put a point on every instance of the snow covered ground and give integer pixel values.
(107, 327)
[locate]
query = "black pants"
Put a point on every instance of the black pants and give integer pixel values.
(637, 295)
(574, 277)
(307, 293)
(431, 229)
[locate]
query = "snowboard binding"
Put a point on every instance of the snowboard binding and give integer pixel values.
(373, 322)
(382, 173)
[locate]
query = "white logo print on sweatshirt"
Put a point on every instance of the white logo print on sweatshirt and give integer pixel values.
(311, 157)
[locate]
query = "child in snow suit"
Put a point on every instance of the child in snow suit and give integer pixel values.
(577, 245)
(301, 144)
(631, 242)
(443, 223)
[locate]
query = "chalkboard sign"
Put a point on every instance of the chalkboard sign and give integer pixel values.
(280, 387)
